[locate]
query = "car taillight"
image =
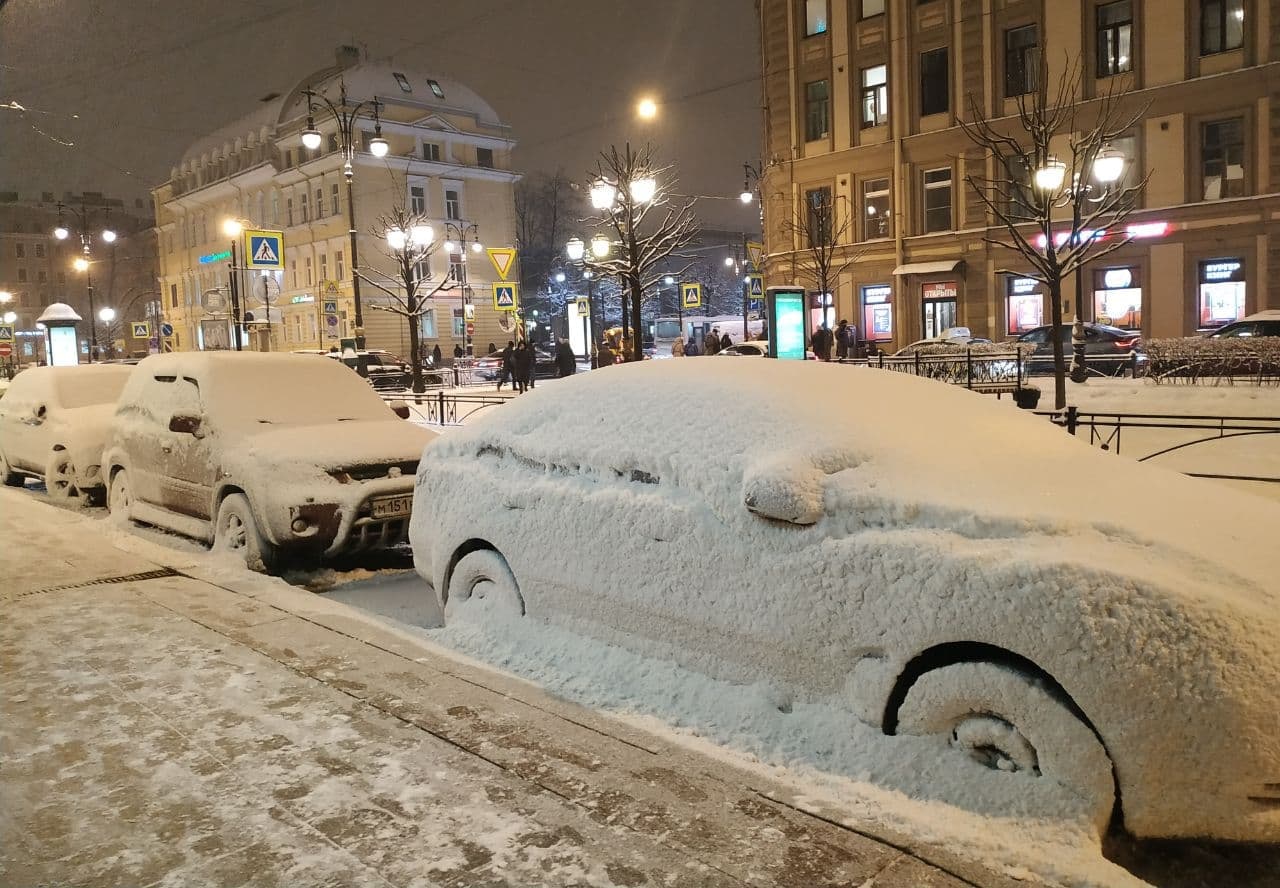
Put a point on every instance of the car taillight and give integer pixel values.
(1128, 344)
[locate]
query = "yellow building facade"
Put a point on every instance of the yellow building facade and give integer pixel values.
(863, 102)
(448, 159)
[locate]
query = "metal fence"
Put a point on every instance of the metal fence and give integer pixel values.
(442, 407)
(978, 370)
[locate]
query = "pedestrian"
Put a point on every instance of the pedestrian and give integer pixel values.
(493, 349)
(677, 348)
(691, 347)
(725, 341)
(604, 355)
(523, 359)
(566, 360)
(437, 358)
(821, 343)
(844, 339)
(457, 352)
(508, 369)
(711, 342)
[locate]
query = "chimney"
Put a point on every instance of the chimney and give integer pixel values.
(347, 56)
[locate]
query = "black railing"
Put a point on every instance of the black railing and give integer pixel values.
(978, 370)
(440, 407)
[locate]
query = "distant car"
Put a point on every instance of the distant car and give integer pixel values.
(54, 423)
(269, 456)
(1263, 323)
(1095, 654)
(490, 366)
(386, 372)
(752, 348)
(1111, 345)
(952, 337)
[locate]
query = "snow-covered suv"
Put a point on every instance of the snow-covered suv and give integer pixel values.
(266, 455)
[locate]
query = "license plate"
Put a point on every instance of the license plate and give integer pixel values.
(393, 506)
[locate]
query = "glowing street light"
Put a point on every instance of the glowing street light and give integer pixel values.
(602, 194)
(108, 235)
(80, 264)
(232, 227)
(10, 317)
(61, 232)
(575, 249)
(107, 315)
(1109, 165)
(1051, 176)
(600, 246)
(647, 108)
(643, 189)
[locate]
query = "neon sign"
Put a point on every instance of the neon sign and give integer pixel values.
(215, 257)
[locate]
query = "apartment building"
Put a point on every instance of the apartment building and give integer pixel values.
(863, 104)
(448, 158)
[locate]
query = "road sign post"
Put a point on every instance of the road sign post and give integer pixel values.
(690, 296)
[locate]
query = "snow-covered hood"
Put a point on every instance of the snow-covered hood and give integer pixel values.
(332, 445)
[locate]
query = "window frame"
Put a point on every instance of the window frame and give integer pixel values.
(453, 205)
(926, 187)
(1027, 61)
(1223, 16)
(812, 107)
(1242, 145)
(1239, 275)
(926, 90)
(1113, 67)
(863, 15)
(824, 228)
(878, 93)
(867, 194)
(823, 22)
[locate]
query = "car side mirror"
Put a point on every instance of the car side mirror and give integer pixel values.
(399, 408)
(186, 424)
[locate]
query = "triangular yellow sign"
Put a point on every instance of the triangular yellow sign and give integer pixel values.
(502, 258)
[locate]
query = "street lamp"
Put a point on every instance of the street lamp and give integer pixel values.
(603, 194)
(647, 108)
(1050, 176)
(81, 263)
(457, 235)
(1109, 165)
(600, 246)
(643, 189)
(344, 117)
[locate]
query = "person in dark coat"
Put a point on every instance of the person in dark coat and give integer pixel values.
(725, 341)
(566, 360)
(821, 343)
(457, 352)
(436, 357)
(604, 355)
(493, 349)
(711, 342)
(844, 339)
(507, 373)
(523, 358)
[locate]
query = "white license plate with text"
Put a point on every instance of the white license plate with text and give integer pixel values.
(393, 506)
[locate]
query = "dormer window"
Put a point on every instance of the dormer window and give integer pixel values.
(403, 81)
(435, 88)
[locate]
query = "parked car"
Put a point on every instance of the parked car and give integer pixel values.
(977, 593)
(755, 348)
(54, 423)
(270, 456)
(1108, 347)
(952, 337)
(386, 372)
(1263, 323)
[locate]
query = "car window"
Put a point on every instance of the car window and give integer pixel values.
(1268, 328)
(1035, 336)
(1236, 331)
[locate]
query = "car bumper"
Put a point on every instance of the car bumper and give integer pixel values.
(347, 524)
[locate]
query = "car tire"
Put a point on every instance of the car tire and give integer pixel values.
(482, 585)
(1014, 724)
(60, 476)
(236, 531)
(120, 497)
(8, 475)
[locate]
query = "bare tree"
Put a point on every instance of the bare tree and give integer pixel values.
(818, 229)
(646, 227)
(408, 240)
(544, 206)
(1029, 185)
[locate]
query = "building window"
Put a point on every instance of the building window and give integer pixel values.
(418, 200)
(20, 250)
(173, 295)
(459, 325)
(307, 262)
(333, 198)
(877, 211)
(293, 273)
(452, 205)
(939, 307)
(324, 266)
(484, 158)
(457, 266)
(815, 17)
(42, 276)
(872, 7)
(429, 324)
(817, 208)
(934, 82)
(1021, 61)
(320, 203)
(1117, 297)
(1221, 25)
(937, 200)
(62, 278)
(22, 275)
(422, 270)
(303, 207)
(875, 96)
(288, 211)
(435, 89)
(877, 313)
(402, 81)
(817, 110)
(1024, 305)
(1115, 38)
(275, 207)
(430, 151)
(1222, 158)
(333, 142)
(1222, 290)
(339, 268)
(39, 251)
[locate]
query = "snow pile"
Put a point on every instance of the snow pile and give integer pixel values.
(1215, 360)
(621, 502)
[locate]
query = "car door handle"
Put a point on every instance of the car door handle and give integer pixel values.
(165, 448)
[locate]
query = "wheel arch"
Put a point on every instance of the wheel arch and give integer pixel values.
(474, 544)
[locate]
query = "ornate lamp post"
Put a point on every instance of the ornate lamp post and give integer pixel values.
(344, 116)
(82, 262)
(461, 237)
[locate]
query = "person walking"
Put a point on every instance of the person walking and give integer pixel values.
(566, 360)
(604, 355)
(677, 348)
(691, 348)
(821, 343)
(844, 338)
(507, 372)
(437, 358)
(457, 353)
(725, 341)
(523, 358)
(711, 342)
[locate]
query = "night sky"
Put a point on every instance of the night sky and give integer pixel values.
(148, 78)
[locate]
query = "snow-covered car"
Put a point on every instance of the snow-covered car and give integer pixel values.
(386, 372)
(952, 338)
(1262, 323)
(272, 456)
(53, 425)
(961, 584)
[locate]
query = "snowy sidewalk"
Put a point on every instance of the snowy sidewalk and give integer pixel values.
(161, 728)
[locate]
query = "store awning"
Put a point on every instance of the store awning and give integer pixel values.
(928, 267)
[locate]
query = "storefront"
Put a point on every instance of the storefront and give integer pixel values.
(939, 306)
(877, 313)
(1117, 296)
(1220, 293)
(822, 311)
(1024, 305)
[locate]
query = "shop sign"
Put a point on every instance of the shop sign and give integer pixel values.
(939, 290)
(877, 294)
(1221, 270)
(1022, 286)
(298, 300)
(214, 257)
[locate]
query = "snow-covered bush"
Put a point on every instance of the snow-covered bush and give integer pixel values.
(1214, 361)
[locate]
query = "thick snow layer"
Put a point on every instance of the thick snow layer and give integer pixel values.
(58, 311)
(664, 508)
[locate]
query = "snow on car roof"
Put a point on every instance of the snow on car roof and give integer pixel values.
(874, 448)
(79, 386)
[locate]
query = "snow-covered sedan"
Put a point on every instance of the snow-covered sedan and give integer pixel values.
(928, 558)
(53, 425)
(270, 456)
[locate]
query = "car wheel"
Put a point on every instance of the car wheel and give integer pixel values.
(482, 585)
(120, 497)
(8, 475)
(236, 531)
(1014, 725)
(60, 476)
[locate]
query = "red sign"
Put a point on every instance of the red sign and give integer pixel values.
(471, 329)
(939, 290)
(6, 349)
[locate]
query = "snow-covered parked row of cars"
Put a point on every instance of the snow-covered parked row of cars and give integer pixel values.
(266, 455)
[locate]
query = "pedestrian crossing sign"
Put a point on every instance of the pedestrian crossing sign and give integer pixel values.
(506, 296)
(141, 329)
(6, 333)
(757, 286)
(584, 306)
(691, 295)
(263, 249)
